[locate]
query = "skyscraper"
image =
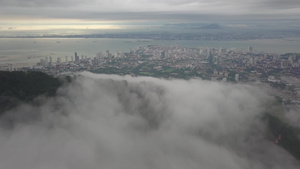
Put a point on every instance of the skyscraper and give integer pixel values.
(236, 77)
(58, 60)
(46, 62)
(250, 49)
(50, 61)
(76, 58)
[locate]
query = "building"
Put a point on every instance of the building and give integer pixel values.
(250, 49)
(76, 58)
(46, 62)
(284, 63)
(50, 61)
(58, 60)
(236, 77)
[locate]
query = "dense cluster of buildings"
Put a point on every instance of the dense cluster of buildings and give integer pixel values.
(216, 64)
(209, 63)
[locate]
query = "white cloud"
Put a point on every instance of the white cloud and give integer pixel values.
(104, 121)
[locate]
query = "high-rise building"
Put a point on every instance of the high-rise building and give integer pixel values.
(250, 49)
(107, 53)
(50, 61)
(236, 77)
(46, 62)
(208, 53)
(76, 58)
(42, 62)
(284, 63)
(58, 60)
(220, 51)
(200, 52)
(66, 57)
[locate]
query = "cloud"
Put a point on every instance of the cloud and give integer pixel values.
(278, 4)
(104, 121)
(163, 3)
(132, 9)
(39, 3)
(292, 113)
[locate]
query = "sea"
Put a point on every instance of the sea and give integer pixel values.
(28, 51)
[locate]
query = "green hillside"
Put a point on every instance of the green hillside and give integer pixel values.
(22, 86)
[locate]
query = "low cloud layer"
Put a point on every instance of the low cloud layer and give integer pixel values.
(292, 111)
(102, 121)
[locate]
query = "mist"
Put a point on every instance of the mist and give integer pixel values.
(111, 122)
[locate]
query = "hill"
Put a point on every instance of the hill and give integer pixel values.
(22, 86)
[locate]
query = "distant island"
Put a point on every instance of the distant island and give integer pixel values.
(211, 26)
(207, 32)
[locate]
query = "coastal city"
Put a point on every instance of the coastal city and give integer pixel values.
(216, 64)
(162, 84)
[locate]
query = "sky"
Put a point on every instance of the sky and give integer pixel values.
(110, 121)
(120, 14)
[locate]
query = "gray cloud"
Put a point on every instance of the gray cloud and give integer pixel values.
(127, 8)
(278, 4)
(170, 3)
(39, 3)
(293, 114)
(102, 121)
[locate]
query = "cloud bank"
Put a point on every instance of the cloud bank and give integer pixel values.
(102, 121)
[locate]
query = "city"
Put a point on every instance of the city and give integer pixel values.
(215, 64)
(162, 84)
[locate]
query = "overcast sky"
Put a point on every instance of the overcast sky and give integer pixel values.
(107, 12)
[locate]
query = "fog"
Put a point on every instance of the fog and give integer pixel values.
(112, 122)
(292, 112)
